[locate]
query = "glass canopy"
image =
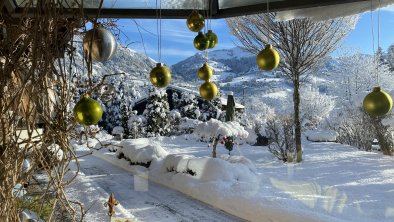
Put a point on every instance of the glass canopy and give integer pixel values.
(178, 8)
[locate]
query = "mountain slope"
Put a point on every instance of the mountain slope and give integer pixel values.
(228, 62)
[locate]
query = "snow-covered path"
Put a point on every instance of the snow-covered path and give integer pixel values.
(99, 178)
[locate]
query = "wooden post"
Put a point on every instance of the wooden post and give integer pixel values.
(111, 203)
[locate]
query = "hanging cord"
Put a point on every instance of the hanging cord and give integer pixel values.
(377, 66)
(160, 32)
(89, 62)
(375, 60)
(206, 15)
(268, 17)
(158, 29)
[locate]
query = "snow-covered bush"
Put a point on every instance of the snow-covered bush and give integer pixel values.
(207, 131)
(207, 169)
(187, 126)
(255, 118)
(140, 151)
(321, 135)
(226, 133)
(281, 133)
(157, 114)
(359, 129)
(117, 130)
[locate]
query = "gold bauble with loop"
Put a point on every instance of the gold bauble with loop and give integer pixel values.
(201, 42)
(160, 76)
(195, 22)
(205, 72)
(208, 90)
(268, 58)
(212, 39)
(377, 103)
(87, 111)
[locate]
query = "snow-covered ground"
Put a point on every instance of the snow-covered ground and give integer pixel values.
(139, 199)
(334, 182)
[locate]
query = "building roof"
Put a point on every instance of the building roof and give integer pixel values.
(223, 100)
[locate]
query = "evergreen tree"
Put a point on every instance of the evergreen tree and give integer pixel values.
(390, 57)
(125, 114)
(211, 109)
(189, 106)
(157, 114)
(380, 56)
(136, 125)
(176, 101)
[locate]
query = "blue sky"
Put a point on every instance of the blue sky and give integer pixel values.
(177, 40)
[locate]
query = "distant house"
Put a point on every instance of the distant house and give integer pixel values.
(140, 105)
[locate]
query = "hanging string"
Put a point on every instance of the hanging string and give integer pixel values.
(373, 46)
(268, 17)
(206, 15)
(160, 32)
(210, 13)
(158, 29)
(377, 67)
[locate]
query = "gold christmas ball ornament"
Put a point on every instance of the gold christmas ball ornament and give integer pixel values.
(208, 90)
(195, 22)
(100, 44)
(205, 72)
(212, 39)
(378, 102)
(87, 111)
(160, 76)
(201, 42)
(268, 59)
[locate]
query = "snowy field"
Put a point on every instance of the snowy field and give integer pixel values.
(334, 182)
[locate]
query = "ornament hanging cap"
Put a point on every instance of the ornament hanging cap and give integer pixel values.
(377, 89)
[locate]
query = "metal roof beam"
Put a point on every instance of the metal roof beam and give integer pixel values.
(184, 13)
(278, 6)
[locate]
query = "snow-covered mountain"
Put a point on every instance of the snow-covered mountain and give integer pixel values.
(135, 65)
(226, 63)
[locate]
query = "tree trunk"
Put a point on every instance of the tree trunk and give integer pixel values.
(381, 131)
(215, 143)
(297, 123)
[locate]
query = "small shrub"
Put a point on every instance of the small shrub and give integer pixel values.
(281, 132)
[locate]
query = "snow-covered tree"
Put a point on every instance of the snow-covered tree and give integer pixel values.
(125, 115)
(188, 106)
(302, 44)
(315, 107)
(256, 115)
(356, 75)
(175, 119)
(211, 109)
(157, 113)
(390, 57)
(137, 125)
(218, 131)
(125, 93)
